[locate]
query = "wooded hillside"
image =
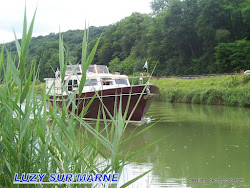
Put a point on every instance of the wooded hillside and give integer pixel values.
(179, 37)
(44, 49)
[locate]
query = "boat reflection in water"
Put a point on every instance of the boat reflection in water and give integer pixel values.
(107, 89)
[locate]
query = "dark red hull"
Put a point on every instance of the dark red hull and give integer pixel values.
(138, 98)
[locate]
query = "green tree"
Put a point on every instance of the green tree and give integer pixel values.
(123, 38)
(47, 56)
(231, 57)
(245, 10)
(222, 35)
(175, 42)
(115, 65)
(159, 5)
(213, 17)
(234, 10)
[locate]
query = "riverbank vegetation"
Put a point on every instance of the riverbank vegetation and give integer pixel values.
(226, 90)
(181, 37)
(33, 140)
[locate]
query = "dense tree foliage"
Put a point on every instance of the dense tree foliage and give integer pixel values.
(179, 37)
(235, 55)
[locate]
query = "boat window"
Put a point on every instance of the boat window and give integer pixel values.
(78, 69)
(73, 69)
(107, 81)
(69, 68)
(121, 81)
(70, 85)
(98, 69)
(102, 69)
(91, 82)
(91, 68)
(75, 83)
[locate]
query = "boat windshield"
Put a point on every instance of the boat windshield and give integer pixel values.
(73, 69)
(98, 69)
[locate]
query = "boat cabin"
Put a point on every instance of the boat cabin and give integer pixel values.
(97, 78)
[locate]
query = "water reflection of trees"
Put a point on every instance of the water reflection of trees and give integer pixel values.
(202, 141)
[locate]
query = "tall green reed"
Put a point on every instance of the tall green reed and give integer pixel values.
(34, 140)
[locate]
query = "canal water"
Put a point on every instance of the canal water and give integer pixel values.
(203, 146)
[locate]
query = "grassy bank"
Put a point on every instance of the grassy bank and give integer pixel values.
(226, 90)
